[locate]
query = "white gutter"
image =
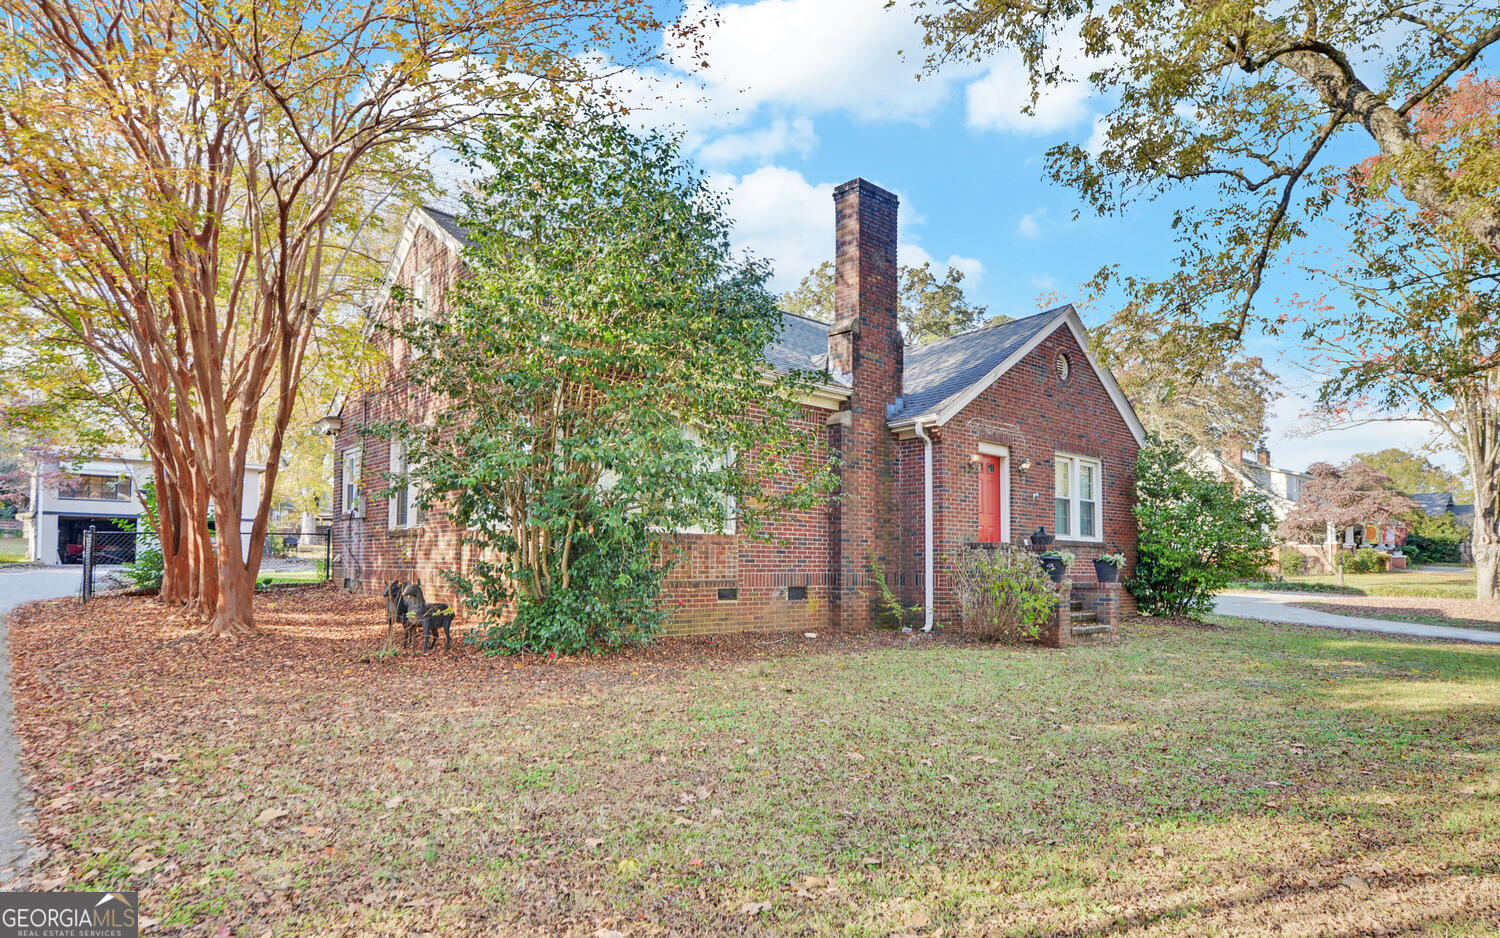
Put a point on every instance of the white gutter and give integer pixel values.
(927, 577)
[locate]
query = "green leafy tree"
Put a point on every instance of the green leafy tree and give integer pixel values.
(1422, 335)
(1412, 473)
(929, 308)
(1184, 388)
(1234, 106)
(1436, 538)
(604, 384)
(1197, 534)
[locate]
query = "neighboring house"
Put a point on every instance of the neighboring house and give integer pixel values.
(1281, 487)
(69, 497)
(980, 438)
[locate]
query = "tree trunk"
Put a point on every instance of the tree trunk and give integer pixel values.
(234, 605)
(1481, 443)
(1423, 179)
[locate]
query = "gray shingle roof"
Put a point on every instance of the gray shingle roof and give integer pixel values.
(803, 345)
(1434, 503)
(448, 222)
(938, 372)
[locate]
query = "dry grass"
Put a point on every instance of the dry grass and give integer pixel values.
(1244, 780)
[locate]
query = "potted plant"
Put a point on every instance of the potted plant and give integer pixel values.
(1056, 563)
(1107, 567)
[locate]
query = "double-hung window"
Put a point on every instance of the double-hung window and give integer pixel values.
(404, 512)
(353, 500)
(1077, 481)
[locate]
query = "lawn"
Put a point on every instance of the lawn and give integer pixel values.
(1185, 781)
(12, 548)
(1457, 584)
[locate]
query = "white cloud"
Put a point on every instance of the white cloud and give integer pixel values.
(1030, 225)
(972, 267)
(1044, 282)
(1095, 144)
(813, 56)
(1296, 440)
(782, 218)
(997, 101)
(767, 143)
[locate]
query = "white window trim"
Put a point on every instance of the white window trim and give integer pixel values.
(400, 465)
(1003, 452)
(1074, 501)
(353, 457)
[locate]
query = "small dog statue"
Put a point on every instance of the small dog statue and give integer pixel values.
(393, 593)
(416, 613)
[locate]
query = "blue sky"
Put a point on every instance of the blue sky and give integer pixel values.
(801, 95)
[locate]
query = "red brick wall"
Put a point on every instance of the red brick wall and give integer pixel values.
(793, 551)
(367, 552)
(1036, 415)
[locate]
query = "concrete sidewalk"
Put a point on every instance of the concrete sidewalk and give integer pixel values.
(20, 585)
(1276, 607)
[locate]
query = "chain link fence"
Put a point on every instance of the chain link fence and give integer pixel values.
(288, 556)
(104, 550)
(297, 555)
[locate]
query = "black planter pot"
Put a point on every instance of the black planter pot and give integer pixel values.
(1106, 571)
(1055, 568)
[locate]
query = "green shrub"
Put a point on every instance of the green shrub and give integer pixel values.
(1003, 593)
(613, 596)
(1436, 538)
(149, 567)
(1293, 562)
(1364, 560)
(1197, 534)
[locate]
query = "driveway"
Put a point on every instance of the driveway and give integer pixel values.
(19, 585)
(1275, 607)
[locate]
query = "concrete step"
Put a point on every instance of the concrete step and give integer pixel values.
(1085, 617)
(1093, 632)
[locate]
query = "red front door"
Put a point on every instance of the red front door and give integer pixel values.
(990, 505)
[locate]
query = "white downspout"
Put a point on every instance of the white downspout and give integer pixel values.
(927, 516)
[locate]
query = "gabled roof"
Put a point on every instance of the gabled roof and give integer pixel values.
(448, 223)
(1434, 503)
(942, 378)
(803, 345)
(941, 371)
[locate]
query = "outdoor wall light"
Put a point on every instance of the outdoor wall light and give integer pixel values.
(1025, 464)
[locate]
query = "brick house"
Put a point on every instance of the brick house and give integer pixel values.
(982, 437)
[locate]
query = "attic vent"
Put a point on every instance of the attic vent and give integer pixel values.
(1062, 366)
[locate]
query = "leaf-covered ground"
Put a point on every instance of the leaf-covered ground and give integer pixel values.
(1464, 613)
(1185, 781)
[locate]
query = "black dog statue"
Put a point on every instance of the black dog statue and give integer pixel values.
(416, 613)
(393, 604)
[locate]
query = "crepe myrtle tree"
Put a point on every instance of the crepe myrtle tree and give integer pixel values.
(189, 190)
(602, 383)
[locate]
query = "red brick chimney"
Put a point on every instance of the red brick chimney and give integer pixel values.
(1232, 449)
(1263, 456)
(865, 347)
